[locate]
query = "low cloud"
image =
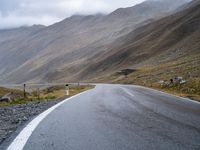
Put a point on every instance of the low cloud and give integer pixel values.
(28, 12)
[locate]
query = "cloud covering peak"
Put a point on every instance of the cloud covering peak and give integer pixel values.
(14, 13)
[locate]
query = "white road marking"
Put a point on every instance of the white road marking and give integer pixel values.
(129, 93)
(158, 91)
(20, 141)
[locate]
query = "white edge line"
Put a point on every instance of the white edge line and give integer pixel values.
(129, 93)
(20, 141)
(169, 94)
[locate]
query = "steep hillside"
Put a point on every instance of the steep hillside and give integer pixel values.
(61, 51)
(159, 51)
(11, 45)
(11, 34)
(168, 39)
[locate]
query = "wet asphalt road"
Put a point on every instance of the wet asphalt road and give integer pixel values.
(117, 117)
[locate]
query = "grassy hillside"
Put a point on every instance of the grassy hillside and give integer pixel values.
(187, 67)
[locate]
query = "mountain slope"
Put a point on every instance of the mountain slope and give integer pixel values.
(165, 41)
(61, 51)
(11, 41)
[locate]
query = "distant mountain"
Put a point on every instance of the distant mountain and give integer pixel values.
(10, 43)
(64, 51)
(149, 8)
(9, 34)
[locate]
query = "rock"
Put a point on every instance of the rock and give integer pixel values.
(183, 82)
(177, 79)
(10, 97)
(15, 121)
(24, 118)
(4, 99)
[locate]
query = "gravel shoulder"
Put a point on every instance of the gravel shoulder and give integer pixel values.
(13, 117)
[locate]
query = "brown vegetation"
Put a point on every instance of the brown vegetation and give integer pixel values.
(46, 94)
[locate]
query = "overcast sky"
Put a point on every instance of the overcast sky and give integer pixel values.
(15, 13)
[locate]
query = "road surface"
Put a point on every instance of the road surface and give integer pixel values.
(116, 117)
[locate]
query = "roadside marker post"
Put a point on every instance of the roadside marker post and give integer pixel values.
(67, 89)
(24, 91)
(38, 93)
(78, 85)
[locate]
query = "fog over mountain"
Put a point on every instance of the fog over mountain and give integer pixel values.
(65, 50)
(17, 13)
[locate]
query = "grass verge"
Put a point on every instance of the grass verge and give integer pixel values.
(149, 76)
(47, 94)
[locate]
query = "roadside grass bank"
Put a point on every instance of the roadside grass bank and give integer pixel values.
(42, 94)
(191, 89)
(4, 90)
(151, 75)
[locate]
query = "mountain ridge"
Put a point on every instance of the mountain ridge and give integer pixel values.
(62, 50)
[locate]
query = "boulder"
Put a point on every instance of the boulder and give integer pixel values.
(4, 99)
(9, 97)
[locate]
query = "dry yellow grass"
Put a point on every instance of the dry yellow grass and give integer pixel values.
(186, 67)
(47, 94)
(58, 91)
(4, 91)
